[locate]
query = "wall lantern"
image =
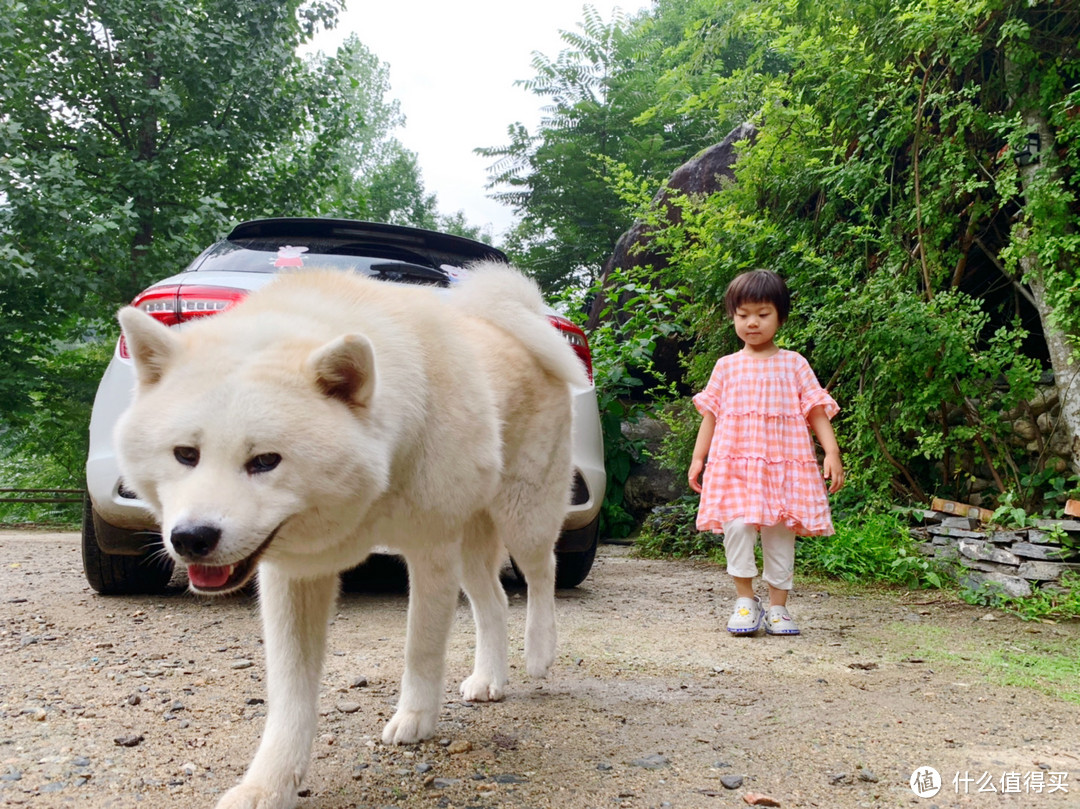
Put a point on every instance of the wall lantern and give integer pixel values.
(1028, 153)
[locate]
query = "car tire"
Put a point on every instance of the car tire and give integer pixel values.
(572, 567)
(147, 573)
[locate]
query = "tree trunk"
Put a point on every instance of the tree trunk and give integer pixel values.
(1061, 346)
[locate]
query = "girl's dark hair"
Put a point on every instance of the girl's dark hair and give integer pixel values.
(758, 286)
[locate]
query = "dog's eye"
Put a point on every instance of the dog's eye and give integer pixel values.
(188, 456)
(262, 463)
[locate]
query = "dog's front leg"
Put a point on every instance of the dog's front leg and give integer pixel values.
(433, 593)
(295, 614)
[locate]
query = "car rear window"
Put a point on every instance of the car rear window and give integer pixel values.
(386, 262)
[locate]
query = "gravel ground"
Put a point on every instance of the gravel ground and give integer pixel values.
(158, 702)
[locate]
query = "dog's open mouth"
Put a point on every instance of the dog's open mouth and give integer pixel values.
(213, 579)
(226, 578)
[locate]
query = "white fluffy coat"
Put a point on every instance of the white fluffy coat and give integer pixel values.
(330, 414)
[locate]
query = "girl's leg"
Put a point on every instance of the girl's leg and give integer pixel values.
(778, 561)
(739, 541)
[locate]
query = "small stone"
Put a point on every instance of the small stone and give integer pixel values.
(868, 776)
(255, 701)
(731, 781)
(348, 706)
(423, 767)
(134, 699)
(241, 664)
(359, 682)
(11, 775)
(460, 746)
(604, 766)
(507, 778)
(653, 762)
(443, 783)
(133, 740)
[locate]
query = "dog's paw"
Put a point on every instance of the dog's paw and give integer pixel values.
(538, 663)
(477, 688)
(250, 796)
(409, 727)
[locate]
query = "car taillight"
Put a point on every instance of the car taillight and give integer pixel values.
(178, 304)
(576, 338)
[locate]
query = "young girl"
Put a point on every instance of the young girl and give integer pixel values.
(760, 469)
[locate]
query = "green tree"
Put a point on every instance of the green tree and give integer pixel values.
(133, 133)
(557, 179)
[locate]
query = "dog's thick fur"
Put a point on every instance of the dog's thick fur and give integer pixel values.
(329, 414)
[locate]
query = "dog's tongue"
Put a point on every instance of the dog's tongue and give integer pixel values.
(208, 577)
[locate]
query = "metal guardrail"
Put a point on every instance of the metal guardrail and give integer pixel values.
(41, 495)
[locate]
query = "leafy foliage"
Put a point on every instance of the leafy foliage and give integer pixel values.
(871, 548)
(596, 91)
(622, 353)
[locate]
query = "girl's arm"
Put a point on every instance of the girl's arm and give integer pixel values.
(701, 450)
(833, 467)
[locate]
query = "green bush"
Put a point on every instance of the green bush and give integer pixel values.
(46, 447)
(871, 548)
(867, 549)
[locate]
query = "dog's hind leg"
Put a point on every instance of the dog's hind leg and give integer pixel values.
(533, 549)
(482, 556)
(433, 592)
(295, 613)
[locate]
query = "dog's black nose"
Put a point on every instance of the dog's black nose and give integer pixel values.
(196, 541)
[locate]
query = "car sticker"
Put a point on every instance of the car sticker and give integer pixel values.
(289, 256)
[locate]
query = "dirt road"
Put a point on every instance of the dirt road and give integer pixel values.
(158, 702)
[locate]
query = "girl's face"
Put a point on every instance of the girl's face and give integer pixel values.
(757, 324)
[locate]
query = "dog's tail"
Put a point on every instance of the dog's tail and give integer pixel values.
(500, 294)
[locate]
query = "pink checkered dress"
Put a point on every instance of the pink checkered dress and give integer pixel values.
(762, 466)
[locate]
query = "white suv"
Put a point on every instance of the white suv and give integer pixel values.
(122, 552)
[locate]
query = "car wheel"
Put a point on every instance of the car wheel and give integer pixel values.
(571, 567)
(147, 573)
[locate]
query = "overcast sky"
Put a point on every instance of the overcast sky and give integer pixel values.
(452, 67)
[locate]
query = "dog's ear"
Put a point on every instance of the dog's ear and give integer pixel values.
(151, 344)
(345, 369)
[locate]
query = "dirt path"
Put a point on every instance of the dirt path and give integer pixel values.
(651, 703)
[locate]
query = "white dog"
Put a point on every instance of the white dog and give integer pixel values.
(329, 414)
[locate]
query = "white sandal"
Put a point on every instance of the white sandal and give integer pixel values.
(779, 622)
(746, 619)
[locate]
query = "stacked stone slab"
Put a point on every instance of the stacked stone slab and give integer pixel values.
(1016, 561)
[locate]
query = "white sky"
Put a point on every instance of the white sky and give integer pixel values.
(452, 68)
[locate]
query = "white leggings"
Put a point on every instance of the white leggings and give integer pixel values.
(777, 552)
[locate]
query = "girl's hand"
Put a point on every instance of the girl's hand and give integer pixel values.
(694, 475)
(834, 472)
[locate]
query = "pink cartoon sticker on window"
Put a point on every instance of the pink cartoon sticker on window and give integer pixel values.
(289, 256)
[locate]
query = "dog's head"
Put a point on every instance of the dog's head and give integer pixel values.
(246, 444)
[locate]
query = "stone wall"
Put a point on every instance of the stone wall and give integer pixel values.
(1017, 561)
